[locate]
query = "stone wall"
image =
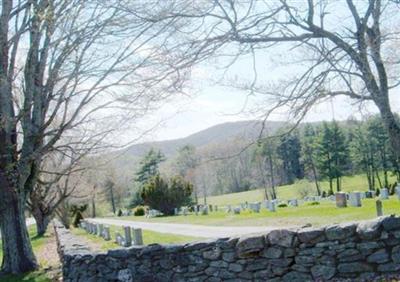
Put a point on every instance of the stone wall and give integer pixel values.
(361, 250)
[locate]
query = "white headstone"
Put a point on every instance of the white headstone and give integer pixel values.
(106, 233)
(272, 206)
(384, 194)
(355, 199)
(137, 236)
(397, 189)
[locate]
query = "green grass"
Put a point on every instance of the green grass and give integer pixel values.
(286, 192)
(35, 276)
(317, 215)
(149, 237)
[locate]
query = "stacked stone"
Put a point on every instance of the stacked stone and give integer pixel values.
(362, 252)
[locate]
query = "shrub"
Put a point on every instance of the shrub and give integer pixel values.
(282, 205)
(77, 214)
(119, 213)
(304, 189)
(378, 192)
(313, 204)
(164, 195)
(324, 194)
(139, 211)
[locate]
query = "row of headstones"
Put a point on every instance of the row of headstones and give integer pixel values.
(104, 231)
(355, 198)
(197, 209)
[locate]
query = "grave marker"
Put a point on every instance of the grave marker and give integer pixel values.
(127, 237)
(355, 199)
(398, 191)
(106, 233)
(379, 210)
(384, 194)
(137, 236)
(341, 200)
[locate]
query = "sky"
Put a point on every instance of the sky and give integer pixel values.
(209, 103)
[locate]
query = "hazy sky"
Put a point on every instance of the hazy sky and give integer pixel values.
(210, 104)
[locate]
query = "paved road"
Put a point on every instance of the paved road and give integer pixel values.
(186, 229)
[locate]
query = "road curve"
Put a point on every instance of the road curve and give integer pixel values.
(186, 229)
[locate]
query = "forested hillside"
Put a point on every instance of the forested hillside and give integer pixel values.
(231, 158)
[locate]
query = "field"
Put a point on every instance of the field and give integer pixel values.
(317, 215)
(286, 192)
(325, 213)
(149, 237)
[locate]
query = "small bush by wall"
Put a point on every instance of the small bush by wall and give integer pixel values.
(361, 251)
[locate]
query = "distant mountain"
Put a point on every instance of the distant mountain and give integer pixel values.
(127, 159)
(212, 135)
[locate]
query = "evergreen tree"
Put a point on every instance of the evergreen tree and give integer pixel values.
(308, 152)
(149, 166)
(289, 151)
(380, 141)
(333, 154)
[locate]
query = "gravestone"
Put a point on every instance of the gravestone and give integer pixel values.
(204, 210)
(379, 209)
(236, 210)
(176, 211)
(397, 189)
(293, 203)
(242, 206)
(355, 199)
(384, 194)
(341, 200)
(196, 209)
(255, 207)
(137, 236)
(106, 233)
(272, 206)
(185, 211)
(127, 237)
(95, 231)
(229, 209)
(369, 194)
(100, 230)
(119, 239)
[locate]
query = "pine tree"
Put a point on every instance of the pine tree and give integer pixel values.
(149, 166)
(333, 154)
(309, 155)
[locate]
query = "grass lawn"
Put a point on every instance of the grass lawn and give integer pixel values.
(286, 192)
(323, 214)
(149, 237)
(38, 245)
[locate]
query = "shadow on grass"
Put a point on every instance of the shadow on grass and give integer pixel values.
(36, 276)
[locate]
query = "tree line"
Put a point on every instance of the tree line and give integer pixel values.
(313, 151)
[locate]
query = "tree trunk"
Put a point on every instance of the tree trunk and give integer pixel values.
(314, 170)
(112, 199)
(18, 256)
(42, 221)
(389, 120)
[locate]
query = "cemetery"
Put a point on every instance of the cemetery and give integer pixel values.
(199, 141)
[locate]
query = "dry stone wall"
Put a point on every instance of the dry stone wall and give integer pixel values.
(360, 251)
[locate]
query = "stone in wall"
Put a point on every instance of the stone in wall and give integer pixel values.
(345, 252)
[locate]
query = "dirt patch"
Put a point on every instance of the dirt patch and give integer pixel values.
(48, 258)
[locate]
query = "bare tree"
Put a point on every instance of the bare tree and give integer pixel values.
(339, 48)
(67, 65)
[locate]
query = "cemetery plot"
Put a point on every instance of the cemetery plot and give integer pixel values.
(283, 213)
